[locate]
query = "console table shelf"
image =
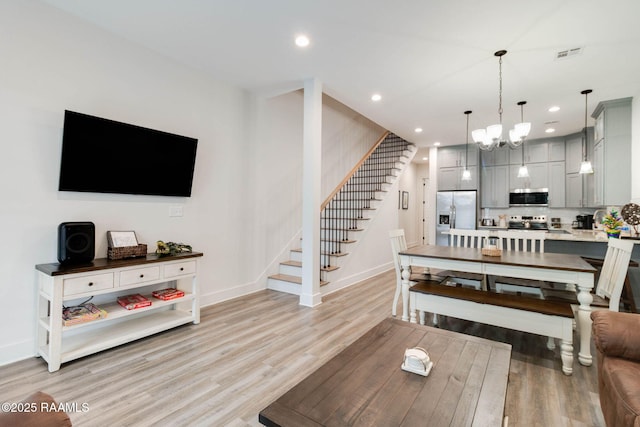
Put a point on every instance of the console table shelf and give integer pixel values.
(105, 280)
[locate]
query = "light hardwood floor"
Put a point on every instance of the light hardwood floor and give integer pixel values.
(248, 351)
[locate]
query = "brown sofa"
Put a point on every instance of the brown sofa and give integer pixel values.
(617, 339)
(31, 415)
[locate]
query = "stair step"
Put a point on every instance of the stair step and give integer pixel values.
(292, 263)
(292, 279)
(337, 241)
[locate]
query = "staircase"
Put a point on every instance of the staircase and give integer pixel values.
(347, 210)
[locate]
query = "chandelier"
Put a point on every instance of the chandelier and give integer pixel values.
(491, 137)
(585, 166)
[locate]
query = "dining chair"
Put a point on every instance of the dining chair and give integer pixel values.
(468, 239)
(611, 279)
(519, 241)
(399, 244)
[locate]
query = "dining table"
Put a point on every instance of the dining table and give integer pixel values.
(569, 269)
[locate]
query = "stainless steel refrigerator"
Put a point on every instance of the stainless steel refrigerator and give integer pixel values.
(454, 209)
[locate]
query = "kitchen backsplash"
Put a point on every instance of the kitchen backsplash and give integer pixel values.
(567, 216)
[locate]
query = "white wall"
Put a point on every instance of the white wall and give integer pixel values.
(635, 148)
(53, 62)
(248, 161)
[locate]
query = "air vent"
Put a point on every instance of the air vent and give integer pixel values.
(563, 54)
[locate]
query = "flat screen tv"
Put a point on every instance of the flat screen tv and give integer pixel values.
(105, 156)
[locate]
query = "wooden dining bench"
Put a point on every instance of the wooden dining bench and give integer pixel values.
(547, 318)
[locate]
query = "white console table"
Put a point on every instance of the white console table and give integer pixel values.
(105, 280)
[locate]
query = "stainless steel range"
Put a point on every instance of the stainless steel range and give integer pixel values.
(527, 222)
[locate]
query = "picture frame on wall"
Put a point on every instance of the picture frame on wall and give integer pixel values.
(121, 239)
(405, 200)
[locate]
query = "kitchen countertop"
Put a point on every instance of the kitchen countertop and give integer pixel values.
(570, 235)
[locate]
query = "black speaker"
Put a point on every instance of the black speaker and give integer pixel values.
(76, 242)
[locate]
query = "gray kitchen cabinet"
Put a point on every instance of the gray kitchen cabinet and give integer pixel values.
(556, 150)
(573, 152)
(451, 179)
(454, 156)
(534, 152)
(497, 157)
(495, 187)
(538, 176)
(612, 153)
(556, 184)
(573, 190)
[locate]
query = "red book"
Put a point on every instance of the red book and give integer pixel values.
(131, 302)
(168, 294)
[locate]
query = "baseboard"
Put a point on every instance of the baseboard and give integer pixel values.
(352, 280)
(227, 294)
(16, 352)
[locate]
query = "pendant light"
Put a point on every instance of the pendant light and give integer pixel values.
(491, 137)
(514, 134)
(466, 174)
(521, 130)
(585, 166)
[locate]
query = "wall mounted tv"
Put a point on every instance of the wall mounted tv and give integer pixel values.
(105, 156)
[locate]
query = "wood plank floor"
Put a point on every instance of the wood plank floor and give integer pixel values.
(248, 351)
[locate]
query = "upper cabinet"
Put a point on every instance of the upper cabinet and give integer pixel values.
(538, 151)
(612, 153)
(497, 157)
(451, 164)
(450, 157)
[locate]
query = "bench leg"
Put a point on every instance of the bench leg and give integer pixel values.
(566, 353)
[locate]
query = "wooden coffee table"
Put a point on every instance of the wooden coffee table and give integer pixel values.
(364, 385)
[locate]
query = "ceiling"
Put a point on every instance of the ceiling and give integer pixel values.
(429, 60)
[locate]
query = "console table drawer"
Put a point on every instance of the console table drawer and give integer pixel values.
(80, 285)
(139, 275)
(179, 269)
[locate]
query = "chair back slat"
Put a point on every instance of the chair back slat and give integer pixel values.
(614, 271)
(468, 238)
(521, 241)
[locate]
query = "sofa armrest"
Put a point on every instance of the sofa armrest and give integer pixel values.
(617, 334)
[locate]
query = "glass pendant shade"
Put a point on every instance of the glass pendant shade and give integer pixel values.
(479, 135)
(519, 132)
(523, 172)
(466, 175)
(586, 167)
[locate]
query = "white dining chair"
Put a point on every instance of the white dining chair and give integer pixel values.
(468, 239)
(399, 244)
(519, 241)
(608, 290)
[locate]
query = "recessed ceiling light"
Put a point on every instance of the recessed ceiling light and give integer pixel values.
(436, 144)
(425, 158)
(302, 41)
(376, 97)
(554, 109)
(418, 130)
(550, 130)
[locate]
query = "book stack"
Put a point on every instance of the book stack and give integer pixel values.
(131, 302)
(168, 294)
(81, 314)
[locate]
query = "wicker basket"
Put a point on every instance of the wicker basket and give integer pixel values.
(492, 251)
(127, 252)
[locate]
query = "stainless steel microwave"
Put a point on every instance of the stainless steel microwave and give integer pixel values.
(529, 197)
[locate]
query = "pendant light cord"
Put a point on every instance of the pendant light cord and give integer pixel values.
(500, 91)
